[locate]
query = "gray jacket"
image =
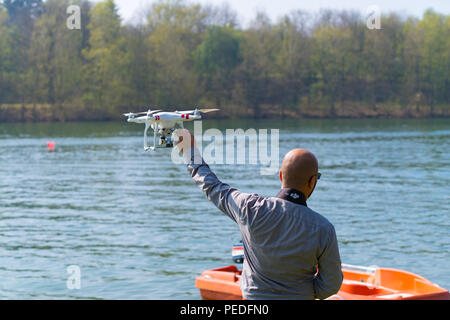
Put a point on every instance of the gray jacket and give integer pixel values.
(283, 242)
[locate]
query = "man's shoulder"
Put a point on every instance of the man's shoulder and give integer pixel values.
(310, 215)
(320, 220)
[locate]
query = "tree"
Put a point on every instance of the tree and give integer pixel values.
(435, 57)
(176, 30)
(257, 74)
(104, 72)
(181, 54)
(332, 61)
(137, 77)
(293, 67)
(18, 20)
(28, 8)
(8, 60)
(216, 59)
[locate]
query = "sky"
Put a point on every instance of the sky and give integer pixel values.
(129, 9)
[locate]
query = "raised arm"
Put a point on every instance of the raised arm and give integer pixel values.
(229, 200)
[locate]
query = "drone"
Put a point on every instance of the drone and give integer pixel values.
(164, 123)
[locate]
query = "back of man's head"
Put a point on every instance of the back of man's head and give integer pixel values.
(298, 170)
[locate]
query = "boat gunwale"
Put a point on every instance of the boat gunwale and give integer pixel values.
(230, 285)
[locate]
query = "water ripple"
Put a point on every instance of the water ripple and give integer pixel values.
(140, 229)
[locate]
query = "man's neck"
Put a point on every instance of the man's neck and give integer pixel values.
(292, 195)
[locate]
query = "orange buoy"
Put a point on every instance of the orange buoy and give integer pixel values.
(51, 146)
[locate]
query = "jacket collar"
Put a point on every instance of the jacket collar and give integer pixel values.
(292, 195)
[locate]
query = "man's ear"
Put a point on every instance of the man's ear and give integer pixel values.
(281, 176)
(311, 182)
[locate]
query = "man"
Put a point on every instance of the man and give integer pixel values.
(284, 240)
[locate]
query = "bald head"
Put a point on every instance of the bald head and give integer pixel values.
(298, 166)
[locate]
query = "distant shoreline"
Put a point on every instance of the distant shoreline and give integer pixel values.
(50, 113)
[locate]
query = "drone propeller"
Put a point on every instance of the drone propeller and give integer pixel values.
(141, 113)
(150, 112)
(201, 110)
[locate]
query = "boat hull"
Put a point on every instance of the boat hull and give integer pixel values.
(360, 283)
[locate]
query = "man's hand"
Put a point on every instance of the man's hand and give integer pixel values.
(186, 140)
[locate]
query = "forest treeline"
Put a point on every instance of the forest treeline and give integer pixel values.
(180, 54)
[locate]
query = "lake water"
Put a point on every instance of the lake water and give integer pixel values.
(138, 228)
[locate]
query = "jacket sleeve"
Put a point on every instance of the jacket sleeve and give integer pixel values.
(229, 200)
(329, 278)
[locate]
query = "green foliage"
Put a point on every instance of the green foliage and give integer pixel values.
(17, 8)
(106, 57)
(54, 55)
(10, 69)
(434, 51)
(216, 59)
(187, 54)
(219, 52)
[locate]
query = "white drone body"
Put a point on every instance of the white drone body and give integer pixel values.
(164, 123)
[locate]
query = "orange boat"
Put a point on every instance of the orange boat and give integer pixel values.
(360, 283)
